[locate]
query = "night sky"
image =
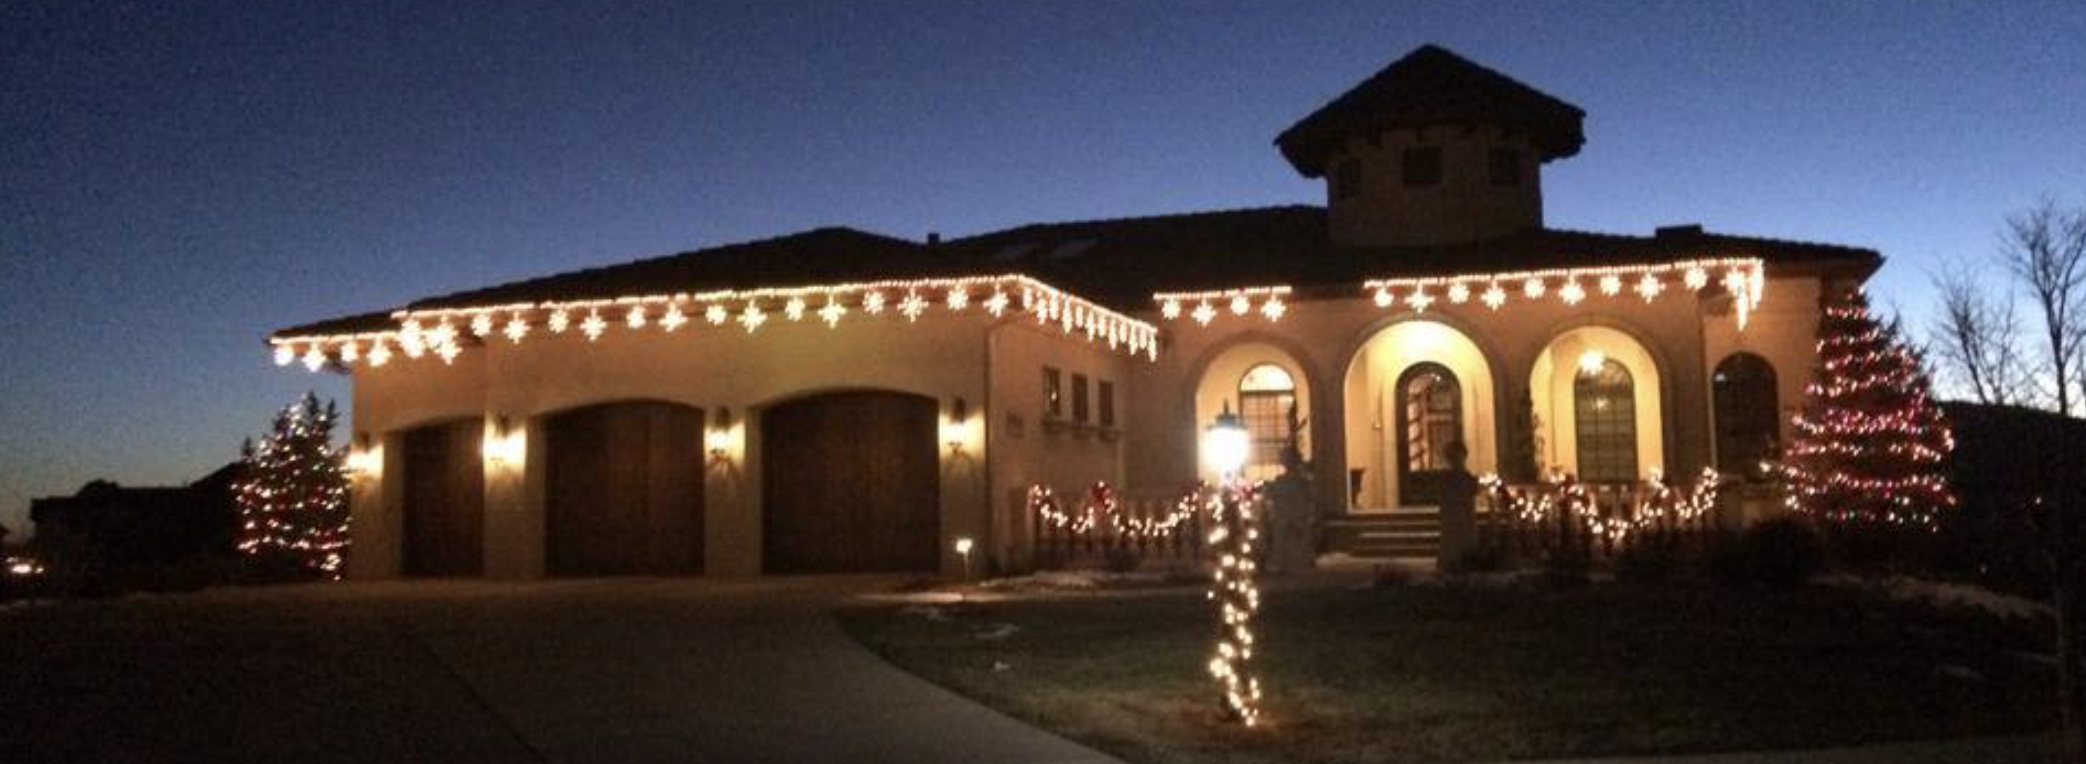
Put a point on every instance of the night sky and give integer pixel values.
(177, 179)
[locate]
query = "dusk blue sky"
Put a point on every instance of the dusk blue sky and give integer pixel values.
(176, 179)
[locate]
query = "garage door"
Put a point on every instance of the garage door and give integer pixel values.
(624, 490)
(444, 495)
(850, 484)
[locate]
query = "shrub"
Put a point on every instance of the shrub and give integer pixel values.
(1483, 558)
(1648, 559)
(1567, 566)
(1782, 553)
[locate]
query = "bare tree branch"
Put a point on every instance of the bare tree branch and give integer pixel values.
(1976, 337)
(2045, 249)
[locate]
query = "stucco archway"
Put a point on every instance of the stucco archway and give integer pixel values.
(1373, 402)
(1220, 386)
(1561, 378)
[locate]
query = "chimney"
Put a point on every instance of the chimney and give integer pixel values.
(934, 238)
(1681, 231)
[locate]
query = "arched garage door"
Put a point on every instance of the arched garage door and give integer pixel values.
(624, 490)
(850, 483)
(444, 492)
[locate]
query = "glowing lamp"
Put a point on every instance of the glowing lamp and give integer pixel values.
(1225, 443)
(955, 431)
(1591, 362)
(719, 438)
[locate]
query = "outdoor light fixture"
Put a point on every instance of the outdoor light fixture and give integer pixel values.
(1225, 443)
(719, 439)
(364, 459)
(963, 548)
(505, 445)
(955, 431)
(1591, 361)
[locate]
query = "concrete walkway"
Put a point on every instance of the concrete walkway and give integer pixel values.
(2027, 749)
(610, 671)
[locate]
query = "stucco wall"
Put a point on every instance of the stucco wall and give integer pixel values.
(1026, 448)
(711, 368)
(1465, 206)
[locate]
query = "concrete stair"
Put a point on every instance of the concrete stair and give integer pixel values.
(1408, 533)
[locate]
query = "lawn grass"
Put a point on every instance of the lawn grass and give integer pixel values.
(1449, 674)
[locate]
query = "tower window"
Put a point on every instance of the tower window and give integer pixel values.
(1347, 179)
(1506, 167)
(1423, 166)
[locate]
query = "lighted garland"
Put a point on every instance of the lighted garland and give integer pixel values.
(443, 332)
(1101, 506)
(1233, 538)
(1871, 444)
(1562, 495)
(292, 493)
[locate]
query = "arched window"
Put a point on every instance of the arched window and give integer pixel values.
(1266, 395)
(1430, 417)
(1604, 412)
(1748, 414)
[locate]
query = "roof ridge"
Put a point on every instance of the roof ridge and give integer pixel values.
(1152, 218)
(663, 258)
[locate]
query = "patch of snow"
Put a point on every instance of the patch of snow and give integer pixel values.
(998, 632)
(930, 612)
(1961, 673)
(1074, 580)
(1949, 596)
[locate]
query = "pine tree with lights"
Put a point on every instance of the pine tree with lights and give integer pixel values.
(1871, 446)
(293, 495)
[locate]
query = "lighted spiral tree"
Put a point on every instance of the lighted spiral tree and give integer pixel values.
(1871, 444)
(1234, 533)
(293, 495)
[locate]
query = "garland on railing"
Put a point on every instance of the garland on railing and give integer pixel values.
(1567, 497)
(1101, 507)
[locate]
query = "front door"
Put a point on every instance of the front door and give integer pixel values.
(1430, 417)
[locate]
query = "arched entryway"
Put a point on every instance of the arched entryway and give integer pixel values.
(1412, 389)
(623, 490)
(1748, 418)
(1430, 419)
(1596, 399)
(850, 483)
(1265, 386)
(444, 499)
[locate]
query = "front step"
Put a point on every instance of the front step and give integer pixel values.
(1404, 534)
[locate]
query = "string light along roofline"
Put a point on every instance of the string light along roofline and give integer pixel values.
(439, 331)
(1744, 278)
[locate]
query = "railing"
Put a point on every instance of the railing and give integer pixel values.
(1104, 530)
(1593, 520)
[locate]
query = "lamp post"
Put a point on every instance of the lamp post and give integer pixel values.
(1232, 537)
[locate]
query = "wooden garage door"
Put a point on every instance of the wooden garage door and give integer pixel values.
(624, 490)
(444, 500)
(850, 484)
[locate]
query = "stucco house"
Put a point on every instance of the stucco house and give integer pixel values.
(838, 400)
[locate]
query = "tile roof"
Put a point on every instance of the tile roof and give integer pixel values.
(1121, 262)
(1432, 86)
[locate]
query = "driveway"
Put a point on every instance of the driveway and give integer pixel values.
(635, 670)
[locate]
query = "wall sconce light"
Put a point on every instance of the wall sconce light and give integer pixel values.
(957, 429)
(505, 444)
(363, 459)
(719, 438)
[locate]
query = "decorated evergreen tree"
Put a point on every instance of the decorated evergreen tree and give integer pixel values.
(1871, 444)
(293, 494)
